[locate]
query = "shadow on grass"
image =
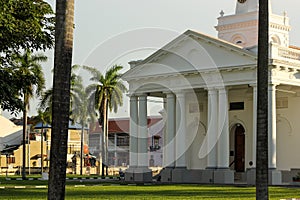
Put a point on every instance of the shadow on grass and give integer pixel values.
(152, 192)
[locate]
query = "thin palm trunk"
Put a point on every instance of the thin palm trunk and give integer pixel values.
(262, 103)
(42, 148)
(102, 151)
(81, 146)
(61, 98)
(24, 139)
(105, 134)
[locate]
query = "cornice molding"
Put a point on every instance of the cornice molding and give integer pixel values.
(238, 25)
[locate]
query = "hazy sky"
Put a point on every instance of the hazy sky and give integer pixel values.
(117, 31)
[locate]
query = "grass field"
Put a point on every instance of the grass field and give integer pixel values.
(98, 190)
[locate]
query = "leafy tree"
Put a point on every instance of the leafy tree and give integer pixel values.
(27, 67)
(61, 98)
(105, 93)
(24, 24)
(262, 103)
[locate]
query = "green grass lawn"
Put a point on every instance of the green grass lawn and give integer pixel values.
(98, 190)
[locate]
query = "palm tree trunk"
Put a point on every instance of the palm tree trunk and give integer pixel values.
(262, 103)
(102, 149)
(42, 148)
(24, 138)
(64, 26)
(81, 146)
(105, 134)
(101, 123)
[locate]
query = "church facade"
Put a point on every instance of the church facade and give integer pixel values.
(209, 89)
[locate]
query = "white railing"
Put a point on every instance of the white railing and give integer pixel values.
(279, 52)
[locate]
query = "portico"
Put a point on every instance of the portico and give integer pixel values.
(209, 89)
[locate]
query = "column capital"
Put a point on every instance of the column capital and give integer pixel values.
(133, 97)
(273, 84)
(140, 94)
(254, 85)
(169, 94)
(212, 91)
(180, 94)
(223, 89)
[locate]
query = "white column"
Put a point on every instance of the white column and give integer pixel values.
(116, 149)
(254, 125)
(223, 130)
(212, 128)
(180, 140)
(143, 133)
(133, 140)
(170, 133)
(272, 125)
(165, 164)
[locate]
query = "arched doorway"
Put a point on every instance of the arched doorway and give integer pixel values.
(239, 148)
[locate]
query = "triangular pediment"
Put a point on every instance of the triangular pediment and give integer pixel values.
(191, 52)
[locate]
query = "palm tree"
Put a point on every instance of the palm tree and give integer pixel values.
(262, 103)
(80, 110)
(77, 102)
(106, 92)
(64, 26)
(28, 67)
(44, 116)
(46, 100)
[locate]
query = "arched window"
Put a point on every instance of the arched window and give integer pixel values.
(238, 40)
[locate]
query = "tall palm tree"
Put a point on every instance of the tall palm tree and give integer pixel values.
(80, 111)
(44, 116)
(28, 67)
(262, 103)
(106, 92)
(64, 25)
(77, 102)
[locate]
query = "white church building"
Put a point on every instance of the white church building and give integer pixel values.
(209, 89)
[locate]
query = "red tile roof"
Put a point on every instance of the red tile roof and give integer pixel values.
(120, 125)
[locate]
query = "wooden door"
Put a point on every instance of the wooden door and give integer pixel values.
(239, 149)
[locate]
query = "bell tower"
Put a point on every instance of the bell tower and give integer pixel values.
(241, 28)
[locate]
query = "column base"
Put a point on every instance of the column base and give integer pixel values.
(251, 176)
(142, 175)
(166, 175)
(206, 176)
(275, 177)
(223, 176)
(179, 175)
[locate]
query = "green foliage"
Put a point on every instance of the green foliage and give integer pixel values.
(107, 87)
(24, 24)
(77, 101)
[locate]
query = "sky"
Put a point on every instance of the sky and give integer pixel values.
(109, 32)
